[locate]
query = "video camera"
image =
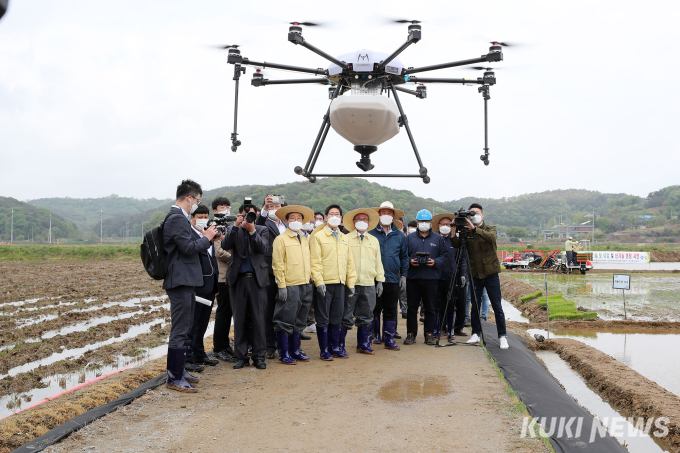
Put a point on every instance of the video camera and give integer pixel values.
(422, 257)
(461, 224)
(221, 222)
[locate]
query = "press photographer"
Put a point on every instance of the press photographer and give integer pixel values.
(484, 267)
(248, 278)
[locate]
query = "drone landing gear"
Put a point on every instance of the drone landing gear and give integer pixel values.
(365, 150)
(235, 143)
(484, 89)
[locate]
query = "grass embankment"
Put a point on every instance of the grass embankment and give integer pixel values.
(68, 252)
(563, 309)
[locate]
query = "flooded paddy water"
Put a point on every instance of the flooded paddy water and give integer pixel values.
(651, 297)
(65, 323)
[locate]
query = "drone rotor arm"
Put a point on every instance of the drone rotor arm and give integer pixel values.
(413, 38)
(490, 57)
(265, 82)
(479, 81)
(265, 64)
(297, 39)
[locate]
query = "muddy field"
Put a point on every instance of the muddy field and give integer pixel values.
(63, 322)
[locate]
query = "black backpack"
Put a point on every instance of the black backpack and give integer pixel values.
(152, 251)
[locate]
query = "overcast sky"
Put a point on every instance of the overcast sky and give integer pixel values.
(127, 97)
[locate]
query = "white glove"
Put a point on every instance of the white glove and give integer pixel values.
(321, 289)
(378, 289)
(402, 284)
(282, 295)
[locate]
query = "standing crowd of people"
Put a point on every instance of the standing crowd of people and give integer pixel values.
(282, 271)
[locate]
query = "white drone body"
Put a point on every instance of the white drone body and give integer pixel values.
(365, 117)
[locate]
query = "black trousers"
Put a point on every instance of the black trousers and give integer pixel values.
(270, 335)
(458, 309)
(388, 302)
(200, 325)
(223, 316)
(248, 299)
(417, 290)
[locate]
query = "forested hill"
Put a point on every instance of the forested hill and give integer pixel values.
(616, 211)
(31, 222)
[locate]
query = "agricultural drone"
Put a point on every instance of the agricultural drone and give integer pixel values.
(366, 118)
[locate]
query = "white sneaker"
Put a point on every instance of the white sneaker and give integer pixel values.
(504, 343)
(310, 329)
(473, 339)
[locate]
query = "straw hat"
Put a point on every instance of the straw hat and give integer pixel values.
(307, 214)
(398, 213)
(438, 217)
(373, 218)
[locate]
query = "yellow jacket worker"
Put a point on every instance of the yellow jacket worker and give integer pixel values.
(365, 251)
(332, 269)
(292, 269)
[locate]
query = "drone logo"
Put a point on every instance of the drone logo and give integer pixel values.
(362, 57)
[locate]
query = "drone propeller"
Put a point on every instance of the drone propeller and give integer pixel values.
(482, 68)
(308, 24)
(504, 44)
(406, 21)
(228, 46)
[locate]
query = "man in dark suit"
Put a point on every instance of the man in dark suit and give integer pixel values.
(275, 227)
(248, 278)
(183, 276)
(205, 295)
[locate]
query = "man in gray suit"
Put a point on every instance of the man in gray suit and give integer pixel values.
(248, 277)
(183, 276)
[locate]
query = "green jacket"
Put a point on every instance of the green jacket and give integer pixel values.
(482, 251)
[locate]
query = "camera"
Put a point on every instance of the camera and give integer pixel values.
(461, 224)
(277, 199)
(221, 222)
(422, 257)
(248, 216)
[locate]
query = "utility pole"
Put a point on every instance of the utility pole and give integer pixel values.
(49, 236)
(11, 234)
(101, 226)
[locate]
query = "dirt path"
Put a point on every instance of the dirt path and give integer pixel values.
(335, 406)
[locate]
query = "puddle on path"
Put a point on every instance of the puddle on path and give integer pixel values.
(648, 354)
(650, 298)
(406, 390)
(576, 387)
(511, 312)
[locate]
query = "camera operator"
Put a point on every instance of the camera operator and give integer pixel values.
(248, 279)
(428, 252)
(441, 223)
(223, 314)
(196, 355)
(268, 218)
(184, 274)
(484, 270)
(394, 257)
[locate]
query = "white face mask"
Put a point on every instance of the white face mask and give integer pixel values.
(424, 226)
(295, 226)
(194, 207)
(334, 221)
(317, 223)
(225, 212)
(411, 230)
(476, 219)
(361, 225)
(386, 220)
(308, 227)
(444, 229)
(201, 224)
(272, 215)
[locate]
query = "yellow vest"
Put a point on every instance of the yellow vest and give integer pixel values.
(290, 260)
(366, 257)
(331, 260)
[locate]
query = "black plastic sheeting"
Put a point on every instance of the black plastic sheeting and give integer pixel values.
(542, 395)
(73, 425)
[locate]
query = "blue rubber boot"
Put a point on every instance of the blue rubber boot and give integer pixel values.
(176, 381)
(376, 330)
(343, 335)
(283, 344)
(334, 342)
(390, 328)
(322, 336)
(294, 347)
(437, 319)
(370, 330)
(364, 341)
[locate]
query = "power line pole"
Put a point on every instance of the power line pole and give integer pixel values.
(11, 234)
(101, 226)
(49, 236)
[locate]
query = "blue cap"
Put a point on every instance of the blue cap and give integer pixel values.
(424, 214)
